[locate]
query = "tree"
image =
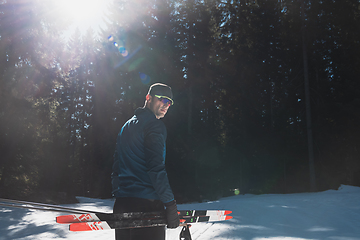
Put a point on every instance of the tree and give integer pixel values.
(27, 75)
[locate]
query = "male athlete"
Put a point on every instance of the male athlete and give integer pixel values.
(139, 178)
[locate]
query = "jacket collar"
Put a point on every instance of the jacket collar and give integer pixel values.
(144, 110)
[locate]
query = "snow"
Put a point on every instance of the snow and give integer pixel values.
(332, 214)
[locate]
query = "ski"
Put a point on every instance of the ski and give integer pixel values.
(96, 217)
(203, 212)
(139, 223)
(107, 225)
(212, 218)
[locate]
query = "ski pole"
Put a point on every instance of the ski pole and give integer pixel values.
(42, 206)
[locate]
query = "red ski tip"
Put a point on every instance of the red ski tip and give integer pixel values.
(80, 227)
(228, 217)
(65, 219)
(227, 212)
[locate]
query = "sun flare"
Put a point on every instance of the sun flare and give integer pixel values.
(83, 13)
(79, 10)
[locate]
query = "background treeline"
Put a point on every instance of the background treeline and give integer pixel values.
(245, 75)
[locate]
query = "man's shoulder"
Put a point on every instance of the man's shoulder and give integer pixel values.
(144, 113)
(155, 125)
(150, 122)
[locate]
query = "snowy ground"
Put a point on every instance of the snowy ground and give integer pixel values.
(333, 214)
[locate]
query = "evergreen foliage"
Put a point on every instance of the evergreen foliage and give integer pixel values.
(237, 73)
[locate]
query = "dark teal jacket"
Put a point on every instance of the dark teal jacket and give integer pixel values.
(139, 159)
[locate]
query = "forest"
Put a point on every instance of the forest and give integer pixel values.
(266, 92)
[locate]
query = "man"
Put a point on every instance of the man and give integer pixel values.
(139, 178)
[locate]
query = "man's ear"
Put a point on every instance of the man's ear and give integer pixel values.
(148, 97)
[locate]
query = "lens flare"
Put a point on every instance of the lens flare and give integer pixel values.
(125, 54)
(120, 45)
(136, 64)
(123, 51)
(145, 79)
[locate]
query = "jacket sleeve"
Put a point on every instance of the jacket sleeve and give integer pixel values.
(155, 137)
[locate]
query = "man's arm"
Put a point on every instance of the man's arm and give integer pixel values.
(155, 137)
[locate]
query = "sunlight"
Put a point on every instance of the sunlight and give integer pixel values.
(83, 14)
(79, 10)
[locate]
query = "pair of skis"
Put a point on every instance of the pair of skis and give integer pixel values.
(85, 220)
(106, 221)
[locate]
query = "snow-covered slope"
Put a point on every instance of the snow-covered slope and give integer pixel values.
(333, 214)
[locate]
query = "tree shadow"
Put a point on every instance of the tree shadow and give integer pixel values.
(22, 223)
(19, 223)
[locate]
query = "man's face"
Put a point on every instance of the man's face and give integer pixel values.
(157, 107)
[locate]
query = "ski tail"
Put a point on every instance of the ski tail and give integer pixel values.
(205, 219)
(203, 212)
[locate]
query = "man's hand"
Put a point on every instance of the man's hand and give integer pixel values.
(172, 215)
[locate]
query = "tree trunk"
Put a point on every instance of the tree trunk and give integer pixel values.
(190, 99)
(308, 104)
